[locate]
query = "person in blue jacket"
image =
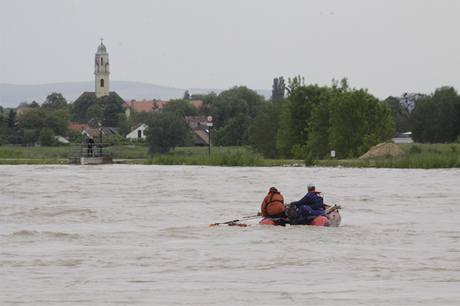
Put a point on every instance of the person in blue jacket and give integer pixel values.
(307, 208)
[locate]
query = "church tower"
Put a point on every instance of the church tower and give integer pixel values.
(101, 71)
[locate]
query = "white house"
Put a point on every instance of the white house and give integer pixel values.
(138, 133)
(61, 139)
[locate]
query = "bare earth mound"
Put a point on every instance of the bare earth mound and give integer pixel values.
(383, 150)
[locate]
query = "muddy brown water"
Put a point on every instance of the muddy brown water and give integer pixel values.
(139, 235)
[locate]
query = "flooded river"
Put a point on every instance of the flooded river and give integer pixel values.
(139, 235)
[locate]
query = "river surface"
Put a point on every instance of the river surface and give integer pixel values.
(139, 235)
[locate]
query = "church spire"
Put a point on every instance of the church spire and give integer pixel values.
(101, 70)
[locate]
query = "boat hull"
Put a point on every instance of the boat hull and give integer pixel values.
(332, 219)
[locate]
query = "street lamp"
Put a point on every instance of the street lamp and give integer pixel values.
(209, 124)
(99, 124)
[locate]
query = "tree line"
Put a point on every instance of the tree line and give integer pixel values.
(314, 120)
(302, 121)
(433, 118)
(36, 123)
(32, 123)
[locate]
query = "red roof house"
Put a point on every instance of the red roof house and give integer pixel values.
(79, 127)
(143, 106)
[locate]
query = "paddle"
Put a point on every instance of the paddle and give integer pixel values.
(233, 222)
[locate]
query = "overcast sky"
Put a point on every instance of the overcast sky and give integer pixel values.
(387, 46)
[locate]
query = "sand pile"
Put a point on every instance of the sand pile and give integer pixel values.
(383, 150)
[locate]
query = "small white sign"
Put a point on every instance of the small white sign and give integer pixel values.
(209, 119)
(209, 124)
(333, 153)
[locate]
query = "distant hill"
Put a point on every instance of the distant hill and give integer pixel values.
(12, 95)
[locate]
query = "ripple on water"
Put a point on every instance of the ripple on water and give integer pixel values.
(41, 263)
(34, 235)
(50, 214)
(182, 232)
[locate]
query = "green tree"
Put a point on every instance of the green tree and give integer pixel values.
(112, 107)
(358, 121)
(2, 118)
(264, 128)
(75, 136)
(105, 109)
(235, 101)
(11, 131)
(79, 109)
(166, 131)
(436, 118)
(295, 116)
(319, 125)
(278, 89)
(319, 130)
(208, 100)
(402, 108)
(294, 83)
(33, 119)
(3, 127)
(95, 113)
(234, 132)
(285, 136)
(423, 123)
(238, 104)
(11, 121)
(34, 104)
(401, 115)
(30, 136)
(54, 101)
(46, 137)
(315, 119)
(138, 118)
(181, 107)
(123, 124)
(58, 121)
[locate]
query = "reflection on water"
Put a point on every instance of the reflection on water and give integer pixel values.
(139, 235)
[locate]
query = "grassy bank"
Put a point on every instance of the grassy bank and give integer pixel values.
(20, 152)
(422, 156)
(63, 152)
(415, 156)
(220, 156)
(138, 154)
(33, 161)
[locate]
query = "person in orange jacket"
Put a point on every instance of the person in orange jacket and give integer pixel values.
(273, 204)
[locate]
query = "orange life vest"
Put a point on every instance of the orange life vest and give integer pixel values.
(272, 205)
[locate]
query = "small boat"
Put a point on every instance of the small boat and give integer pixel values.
(331, 219)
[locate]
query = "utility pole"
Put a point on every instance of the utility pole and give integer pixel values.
(209, 124)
